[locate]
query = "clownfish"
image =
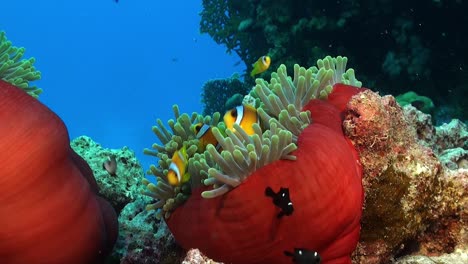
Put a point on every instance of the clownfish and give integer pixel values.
(243, 115)
(281, 199)
(304, 256)
(177, 173)
(261, 65)
(205, 136)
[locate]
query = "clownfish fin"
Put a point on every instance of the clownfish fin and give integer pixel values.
(269, 192)
(172, 178)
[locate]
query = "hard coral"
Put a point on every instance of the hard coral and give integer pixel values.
(122, 187)
(299, 145)
(143, 238)
(194, 256)
(49, 208)
(406, 188)
(458, 257)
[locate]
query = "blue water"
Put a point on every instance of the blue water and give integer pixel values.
(110, 70)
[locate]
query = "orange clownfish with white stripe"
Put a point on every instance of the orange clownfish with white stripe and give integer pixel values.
(243, 115)
(261, 65)
(205, 136)
(177, 173)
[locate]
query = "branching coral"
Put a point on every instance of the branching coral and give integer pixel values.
(15, 70)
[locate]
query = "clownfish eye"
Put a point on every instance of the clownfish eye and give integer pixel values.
(198, 127)
(234, 112)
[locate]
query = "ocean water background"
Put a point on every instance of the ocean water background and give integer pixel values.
(109, 70)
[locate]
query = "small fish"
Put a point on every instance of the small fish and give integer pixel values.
(110, 165)
(177, 173)
(261, 65)
(205, 136)
(304, 256)
(281, 200)
(243, 115)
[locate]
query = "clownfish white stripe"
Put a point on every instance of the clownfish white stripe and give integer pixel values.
(264, 62)
(175, 169)
(203, 131)
(240, 114)
(218, 147)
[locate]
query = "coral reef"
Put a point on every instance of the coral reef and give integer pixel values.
(414, 202)
(16, 70)
(49, 203)
(451, 135)
(121, 188)
(194, 256)
(448, 141)
(414, 215)
(412, 40)
(217, 92)
(452, 258)
(454, 158)
(409, 196)
(143, 238)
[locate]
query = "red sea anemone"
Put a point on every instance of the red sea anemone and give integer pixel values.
(49, 208)
(311, 157)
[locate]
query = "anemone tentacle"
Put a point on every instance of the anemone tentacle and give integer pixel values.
(244, 154)
(282, 119)
(17, 70)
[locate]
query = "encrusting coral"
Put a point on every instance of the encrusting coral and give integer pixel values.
(16, 70)
(412, 202)
(119, 188)
(296, 114)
